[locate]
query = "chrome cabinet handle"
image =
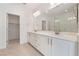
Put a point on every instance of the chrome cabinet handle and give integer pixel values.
(48, 40)
(51, 42)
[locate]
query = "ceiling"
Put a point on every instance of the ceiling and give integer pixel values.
(37, 6)
(33, 7)
(42, 7)
(61, 8)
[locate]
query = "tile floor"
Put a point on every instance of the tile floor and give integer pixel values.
(15, 49)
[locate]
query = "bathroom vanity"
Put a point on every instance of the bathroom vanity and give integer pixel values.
(56, 31)
(50, 44)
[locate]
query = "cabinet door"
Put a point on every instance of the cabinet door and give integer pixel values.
(60, 47)
(45, 49)
(32, 38)
(29, 37)
(38, 42)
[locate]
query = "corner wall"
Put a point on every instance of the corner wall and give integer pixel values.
(17, 10)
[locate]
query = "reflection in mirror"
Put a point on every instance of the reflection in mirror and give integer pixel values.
(65, 18)
(62, 18)
(57, 25)
(40, 22)
(43, 25)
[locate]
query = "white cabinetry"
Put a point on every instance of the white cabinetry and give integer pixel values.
(51, 46)
(44, 45)
(40, 42)
(62, 47)
(32, 38)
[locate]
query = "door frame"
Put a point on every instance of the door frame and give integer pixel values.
(7, 27)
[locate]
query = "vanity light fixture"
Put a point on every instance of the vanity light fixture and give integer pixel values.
(37, 13)
(71, 18)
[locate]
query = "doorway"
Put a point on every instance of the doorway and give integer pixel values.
(13, 29)
(43, 25)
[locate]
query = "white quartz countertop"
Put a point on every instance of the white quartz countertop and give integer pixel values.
(63, 35)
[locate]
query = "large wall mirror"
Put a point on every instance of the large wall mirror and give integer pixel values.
(62, 18)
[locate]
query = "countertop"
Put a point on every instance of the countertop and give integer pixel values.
(62, 35)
